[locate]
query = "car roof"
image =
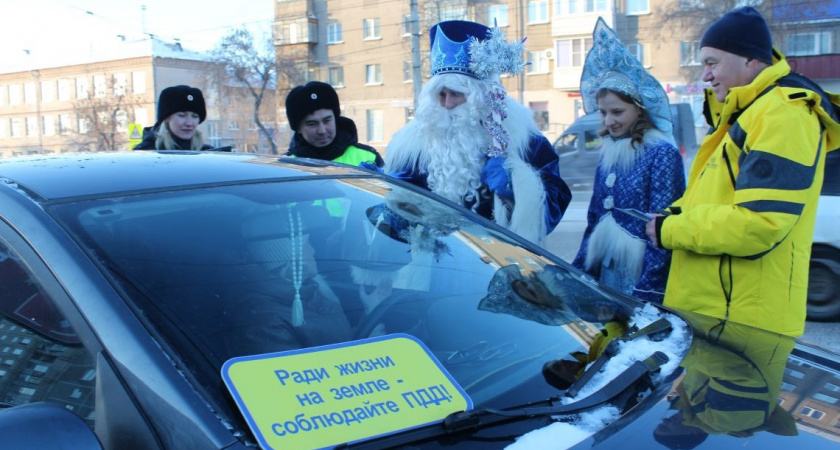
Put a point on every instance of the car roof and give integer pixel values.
(591, 121)
(54, 177)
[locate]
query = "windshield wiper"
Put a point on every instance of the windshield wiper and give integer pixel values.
(461, 421)
(656, 328)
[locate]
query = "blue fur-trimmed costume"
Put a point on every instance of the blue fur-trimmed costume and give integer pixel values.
(653, 182)
(520, 185)
(532, 164)
(646, 176)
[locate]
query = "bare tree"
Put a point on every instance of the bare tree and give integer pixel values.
(686, 20)
(247, 63)
(103, 116)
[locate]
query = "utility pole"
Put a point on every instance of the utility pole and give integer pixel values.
(415, 51)
(36, 75)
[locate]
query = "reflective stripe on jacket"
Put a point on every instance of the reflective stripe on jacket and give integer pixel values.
(355, 156)
(742, 239)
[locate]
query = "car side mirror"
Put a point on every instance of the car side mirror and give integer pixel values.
(45, 426)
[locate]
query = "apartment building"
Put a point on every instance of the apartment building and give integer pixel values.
(364, 49)
(102, 104)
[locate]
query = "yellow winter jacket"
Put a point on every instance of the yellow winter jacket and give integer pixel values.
(741, 234)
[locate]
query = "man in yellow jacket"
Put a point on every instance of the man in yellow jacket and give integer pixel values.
(741, 234)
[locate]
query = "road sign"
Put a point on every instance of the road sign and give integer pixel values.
(135, 134)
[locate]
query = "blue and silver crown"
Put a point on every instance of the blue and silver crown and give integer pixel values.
(610, 65)
(451, 46)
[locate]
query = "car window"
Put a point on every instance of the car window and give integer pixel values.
(566, 144)
(41, 358)
(230, 271)
(593, 140)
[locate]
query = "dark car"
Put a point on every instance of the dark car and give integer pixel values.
(210, 300)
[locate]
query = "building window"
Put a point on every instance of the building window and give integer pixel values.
(452, 13)
(638, 50)
(296, 31)
(794, 373)
(572, 52)
(64, 90)
(594, 5)
(335, 76)
(2, 94)
(139, 115)
(14, 94)
(538, 11)
(808, 44)
(29, 93)
(31, 126)
(637, 7)
(334, 34)
(406, 26)
(538, 62)
(48, 125)
(64, 124)
(375, 119)
(408, 75)
(81, 88)
(14, 127)
(689, 53)
(120, 84)
(498, 15)
(138, 82)
(122, 121)
(826, 398)
(811, 412)
(100, 86)
(47, 91)
(83, 125)
(371, 28)
(373, 74)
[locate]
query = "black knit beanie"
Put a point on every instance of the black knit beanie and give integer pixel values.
(741, 32)
(304, 100)
(181, 98)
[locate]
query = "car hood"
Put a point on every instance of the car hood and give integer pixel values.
(737, 387)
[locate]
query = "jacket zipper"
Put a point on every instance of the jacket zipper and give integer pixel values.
(729, 166)
(726, 264)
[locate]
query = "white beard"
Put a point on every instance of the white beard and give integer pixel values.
(455, 144)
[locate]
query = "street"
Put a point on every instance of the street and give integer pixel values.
(565, 240)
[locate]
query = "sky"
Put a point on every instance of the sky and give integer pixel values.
(38, 33)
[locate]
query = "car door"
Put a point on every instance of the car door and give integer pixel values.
(49, 354)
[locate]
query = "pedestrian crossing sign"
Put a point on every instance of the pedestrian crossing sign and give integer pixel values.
(135, 134)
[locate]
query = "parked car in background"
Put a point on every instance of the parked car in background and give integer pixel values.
(824, 276)
(204, 300)
(579, 146)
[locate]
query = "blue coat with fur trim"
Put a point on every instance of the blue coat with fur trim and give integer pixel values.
(654, 180)
(542, 160)
(528, 197)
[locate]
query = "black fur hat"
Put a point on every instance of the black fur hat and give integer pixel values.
(181, 98)
(304, 100)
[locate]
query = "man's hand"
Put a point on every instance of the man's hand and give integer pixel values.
(650, 230)
(496, 178)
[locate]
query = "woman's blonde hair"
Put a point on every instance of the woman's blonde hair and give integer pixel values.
(165, 141)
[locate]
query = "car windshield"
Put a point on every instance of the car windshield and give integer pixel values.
(247, 269)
